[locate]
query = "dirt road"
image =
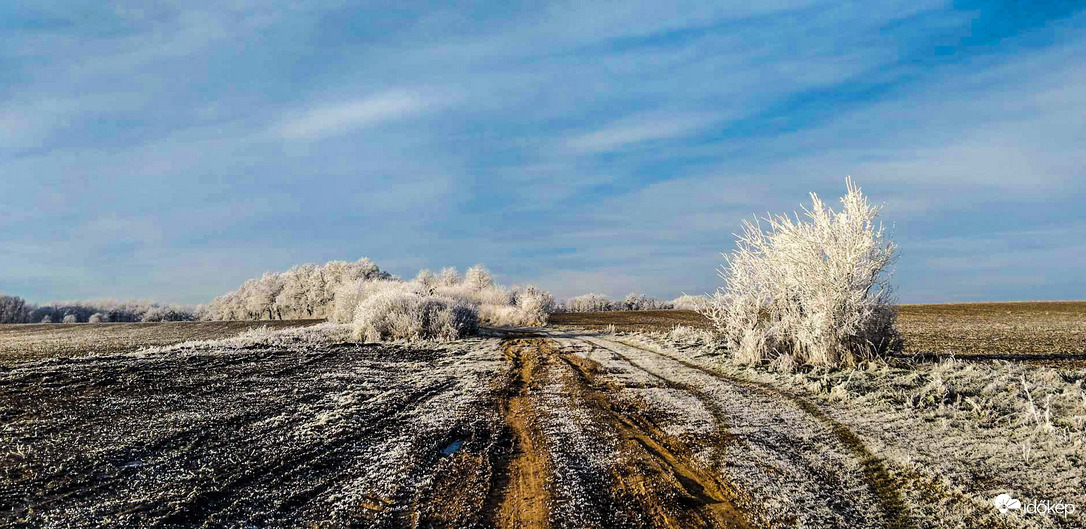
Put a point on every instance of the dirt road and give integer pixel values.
(548, 429)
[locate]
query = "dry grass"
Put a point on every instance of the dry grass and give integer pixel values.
(20, 343)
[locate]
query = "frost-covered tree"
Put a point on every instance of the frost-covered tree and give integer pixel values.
(635, 301)
(588, 303)
(448, 277)
(70, 318)
(301, 292)
(810, 290)
(304, 291)
(112, 310)
(14, 309)
(600, 302)
(98, 317)
(478, 278)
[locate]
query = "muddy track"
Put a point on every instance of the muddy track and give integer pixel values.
(874, 471)
(520, 497)
(702, 498)
(638, 475)
(720, 439)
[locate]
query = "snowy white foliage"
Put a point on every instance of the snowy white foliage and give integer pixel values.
(643, 302)
(444, 306)
(448, 276)
(478, 278)
(304, 291)
(600, 302)
(588, 303)
(70, 318)
(688, 302)
(108, 310)
(496, 305)
(533, 304)
(816, 290)
(98, 317)
(401, 314)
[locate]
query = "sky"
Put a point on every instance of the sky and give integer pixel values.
(171, 150)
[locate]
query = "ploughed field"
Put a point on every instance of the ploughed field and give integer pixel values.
(563, 426)
(518, 429)
(51, 340)
(1051, 331)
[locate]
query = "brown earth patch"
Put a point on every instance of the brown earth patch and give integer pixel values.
(521, 498)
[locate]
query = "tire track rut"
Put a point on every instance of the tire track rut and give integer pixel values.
(874, 472)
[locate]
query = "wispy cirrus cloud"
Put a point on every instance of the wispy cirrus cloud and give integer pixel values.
(342, 117)
(631, 132)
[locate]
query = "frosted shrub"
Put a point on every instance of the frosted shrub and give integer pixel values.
(535, 304)
(426, 278)
(496, 305)
(71, 318)
(347, 298)
(688, 302)
(405, 315)
(817, 290)
(98, 317)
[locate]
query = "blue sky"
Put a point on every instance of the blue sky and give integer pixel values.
(171, 150)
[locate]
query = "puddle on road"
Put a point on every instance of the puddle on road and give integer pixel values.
(454, 446)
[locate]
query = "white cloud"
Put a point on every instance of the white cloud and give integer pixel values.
(628, 133)
(339, 118)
